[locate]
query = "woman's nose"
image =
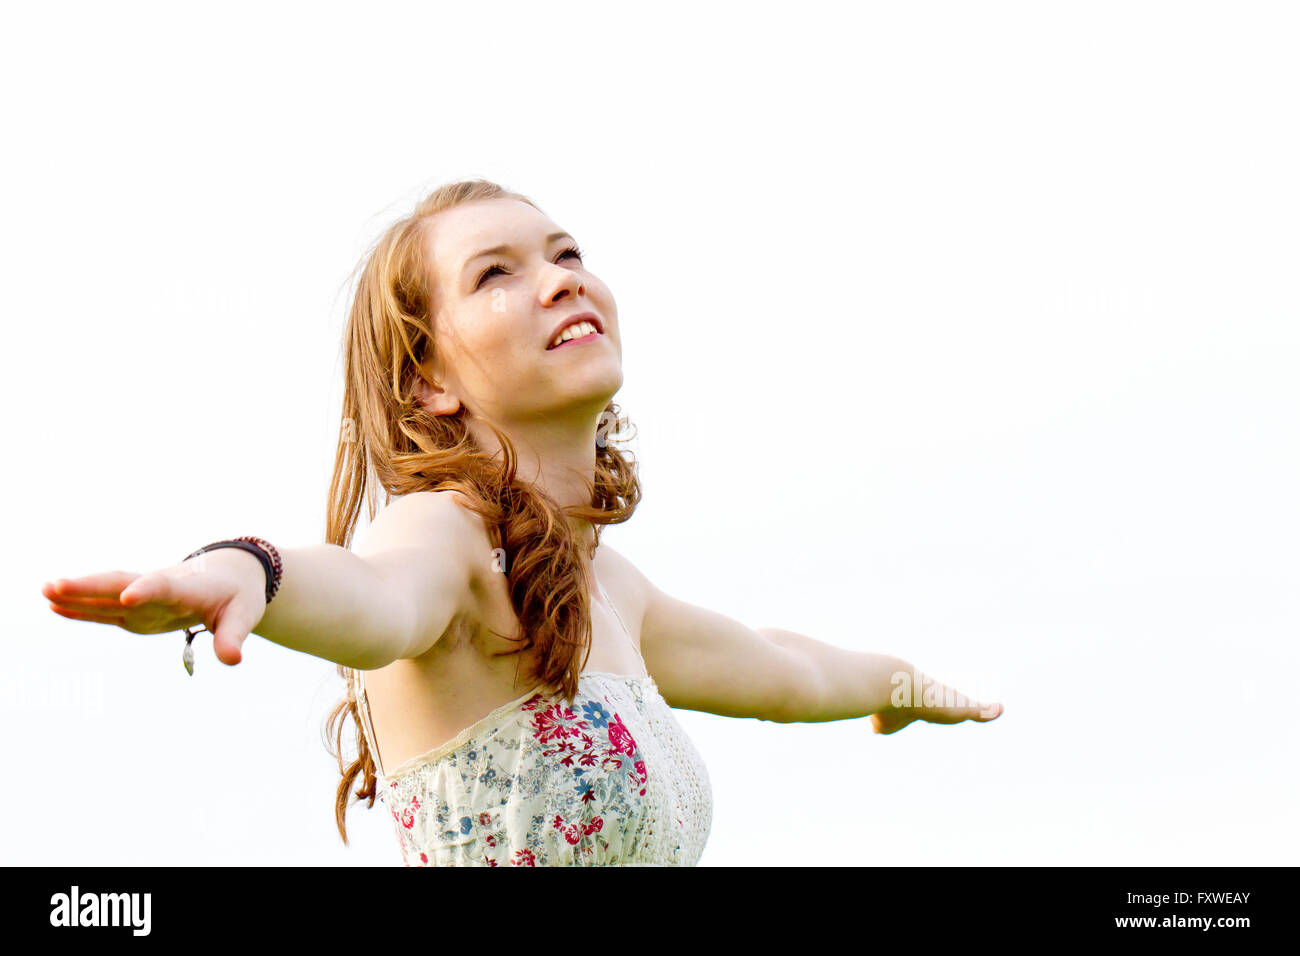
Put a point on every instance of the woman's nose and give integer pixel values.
(568, 282)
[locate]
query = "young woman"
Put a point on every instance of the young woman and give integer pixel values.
(510, 679)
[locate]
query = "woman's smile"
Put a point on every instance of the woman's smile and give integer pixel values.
(589, 337)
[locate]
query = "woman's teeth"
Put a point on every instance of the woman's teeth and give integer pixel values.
(575, 331)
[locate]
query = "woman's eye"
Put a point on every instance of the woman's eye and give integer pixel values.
(487, 273)
(496, 267)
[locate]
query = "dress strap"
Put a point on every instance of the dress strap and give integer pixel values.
(367, 728)
(614, 608)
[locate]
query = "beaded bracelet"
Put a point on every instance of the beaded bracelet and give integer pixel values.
(261, 549)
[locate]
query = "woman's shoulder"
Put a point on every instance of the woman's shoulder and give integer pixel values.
(441, 499)
(623, 579)
(440, 519)
(437, 551)
(445, 506)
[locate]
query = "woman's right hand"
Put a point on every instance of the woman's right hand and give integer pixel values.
(223, 589)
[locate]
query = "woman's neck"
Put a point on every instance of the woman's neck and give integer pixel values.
(555, 461)
(555, 455)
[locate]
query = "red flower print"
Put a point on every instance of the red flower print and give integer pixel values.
(489, 861)
(620, 738)
(550, 724)
(484, 819)
(407, 816)
(524, 857)
(423, 858)
(570, 830)
(491, 840)
(593, 827)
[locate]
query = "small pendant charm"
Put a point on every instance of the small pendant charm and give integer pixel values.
(188, 656)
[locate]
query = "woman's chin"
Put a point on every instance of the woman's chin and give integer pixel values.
(592, 381)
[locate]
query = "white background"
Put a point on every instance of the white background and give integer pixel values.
(961, 332)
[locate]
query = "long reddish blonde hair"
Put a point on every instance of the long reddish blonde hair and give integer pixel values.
(388, 440)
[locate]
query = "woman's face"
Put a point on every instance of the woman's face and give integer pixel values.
(496, 313)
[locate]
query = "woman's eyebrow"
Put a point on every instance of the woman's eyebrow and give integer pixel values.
(506, 247)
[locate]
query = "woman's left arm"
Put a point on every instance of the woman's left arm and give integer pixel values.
(856, 684)
(702, 660)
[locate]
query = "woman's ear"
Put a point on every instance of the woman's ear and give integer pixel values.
(432, 397)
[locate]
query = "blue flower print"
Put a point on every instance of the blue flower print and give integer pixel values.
(466, 824)
(584, 789)
(598, 715)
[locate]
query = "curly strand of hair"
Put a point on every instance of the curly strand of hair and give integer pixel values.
(363, 765)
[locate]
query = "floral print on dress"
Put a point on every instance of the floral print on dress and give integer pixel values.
(609, 779)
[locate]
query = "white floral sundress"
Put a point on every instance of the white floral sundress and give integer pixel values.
(611, 780)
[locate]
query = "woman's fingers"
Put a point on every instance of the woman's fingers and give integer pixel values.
(76, 599)
(105, 584)
(91, 606)
(955, 715)
(228, 648)
(81, 616)
(148, 587)
(233, 627)
(116, 615)
(979, 712)
(153, 603)
(892, 720)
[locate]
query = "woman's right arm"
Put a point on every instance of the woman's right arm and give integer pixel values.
(392, 598)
